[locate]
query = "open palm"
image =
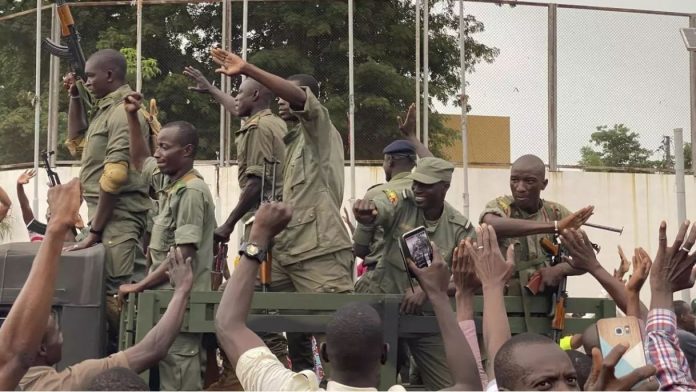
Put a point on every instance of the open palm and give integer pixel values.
(230, 64)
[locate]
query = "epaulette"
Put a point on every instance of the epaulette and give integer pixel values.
(374, 186)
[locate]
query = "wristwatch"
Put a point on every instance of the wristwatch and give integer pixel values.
(253, 251)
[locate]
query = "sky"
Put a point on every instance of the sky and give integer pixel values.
(612, 68)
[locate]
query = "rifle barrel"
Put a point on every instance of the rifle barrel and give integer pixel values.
(602, 227)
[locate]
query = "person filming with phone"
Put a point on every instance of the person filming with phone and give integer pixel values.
(399, 214)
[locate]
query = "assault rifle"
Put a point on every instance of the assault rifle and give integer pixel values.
(265, 271)
(72, 50)
(52, 175)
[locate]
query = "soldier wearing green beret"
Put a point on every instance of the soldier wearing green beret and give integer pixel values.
(422, 205)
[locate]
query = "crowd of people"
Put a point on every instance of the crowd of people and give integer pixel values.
(155, 217)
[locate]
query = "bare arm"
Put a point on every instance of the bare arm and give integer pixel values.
(139, 150)
(461, 361)
(408, 131)
(204, 86)
(24, 178)
(77, 119)
(231, 64)
(234, 336)
(105, 209)
(247, 200)
(22, 331)
(511, 227)
(155, 345)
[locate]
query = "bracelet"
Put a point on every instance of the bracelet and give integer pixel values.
(96, 232)
(74, 96)
(555, 226)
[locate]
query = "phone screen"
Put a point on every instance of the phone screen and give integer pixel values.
(419, 249)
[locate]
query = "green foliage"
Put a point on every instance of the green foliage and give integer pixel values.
(149, 66)
(284, 37)
(618, 147)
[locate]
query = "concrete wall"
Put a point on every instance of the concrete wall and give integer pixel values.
(638, 202)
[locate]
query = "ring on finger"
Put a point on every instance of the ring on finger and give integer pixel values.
(480, 247)
(685, 249)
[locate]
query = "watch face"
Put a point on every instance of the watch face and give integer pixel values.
(252, 250)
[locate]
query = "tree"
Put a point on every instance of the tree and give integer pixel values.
(285, 38)
(618, 147)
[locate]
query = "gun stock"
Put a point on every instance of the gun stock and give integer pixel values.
(549, 247)
(218, 267)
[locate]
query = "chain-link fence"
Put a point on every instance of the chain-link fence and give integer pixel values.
(622, 78)
(622, 82)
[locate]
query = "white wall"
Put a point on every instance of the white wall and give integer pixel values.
(638, 202)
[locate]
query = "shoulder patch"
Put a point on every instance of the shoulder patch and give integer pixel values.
(392, 196)
(504, 204)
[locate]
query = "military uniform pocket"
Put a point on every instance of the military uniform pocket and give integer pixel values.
(302, 230)
(298, 170)
(162, 237)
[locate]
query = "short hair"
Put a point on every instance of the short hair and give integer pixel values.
(306, 80)
(582, 364)
(117, 379)
(680, 307)
(112, 59)
(507, 373)
(186, 134)
(355, 338)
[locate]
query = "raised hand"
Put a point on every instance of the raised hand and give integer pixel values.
(364, 211)
(69, 84)
(672, 267)
(408, 125)
(64, 201)
(463, 270)
(271, 219)
(623, 266)
(133, 102)
(582, 254)
(576, 219)
(202, 86)
(641, 270)
(180, 273)
(230, 64)
(602, 376)
(491, 267)
(25, 177)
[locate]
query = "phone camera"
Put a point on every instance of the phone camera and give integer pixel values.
(619, 331)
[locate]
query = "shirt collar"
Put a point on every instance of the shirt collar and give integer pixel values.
(113, 97)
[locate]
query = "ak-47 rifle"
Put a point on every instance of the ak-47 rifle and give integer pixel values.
(558, 306)
(52, 175)
(265, 270)
(72, 50)
(219, 266)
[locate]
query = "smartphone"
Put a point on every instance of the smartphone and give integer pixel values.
(415, 245)
(626, 330)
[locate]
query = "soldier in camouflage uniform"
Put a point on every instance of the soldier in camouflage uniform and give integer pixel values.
(368, 241)
(397, 213)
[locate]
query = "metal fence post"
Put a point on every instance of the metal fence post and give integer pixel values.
(553, 87)
(53, 89)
